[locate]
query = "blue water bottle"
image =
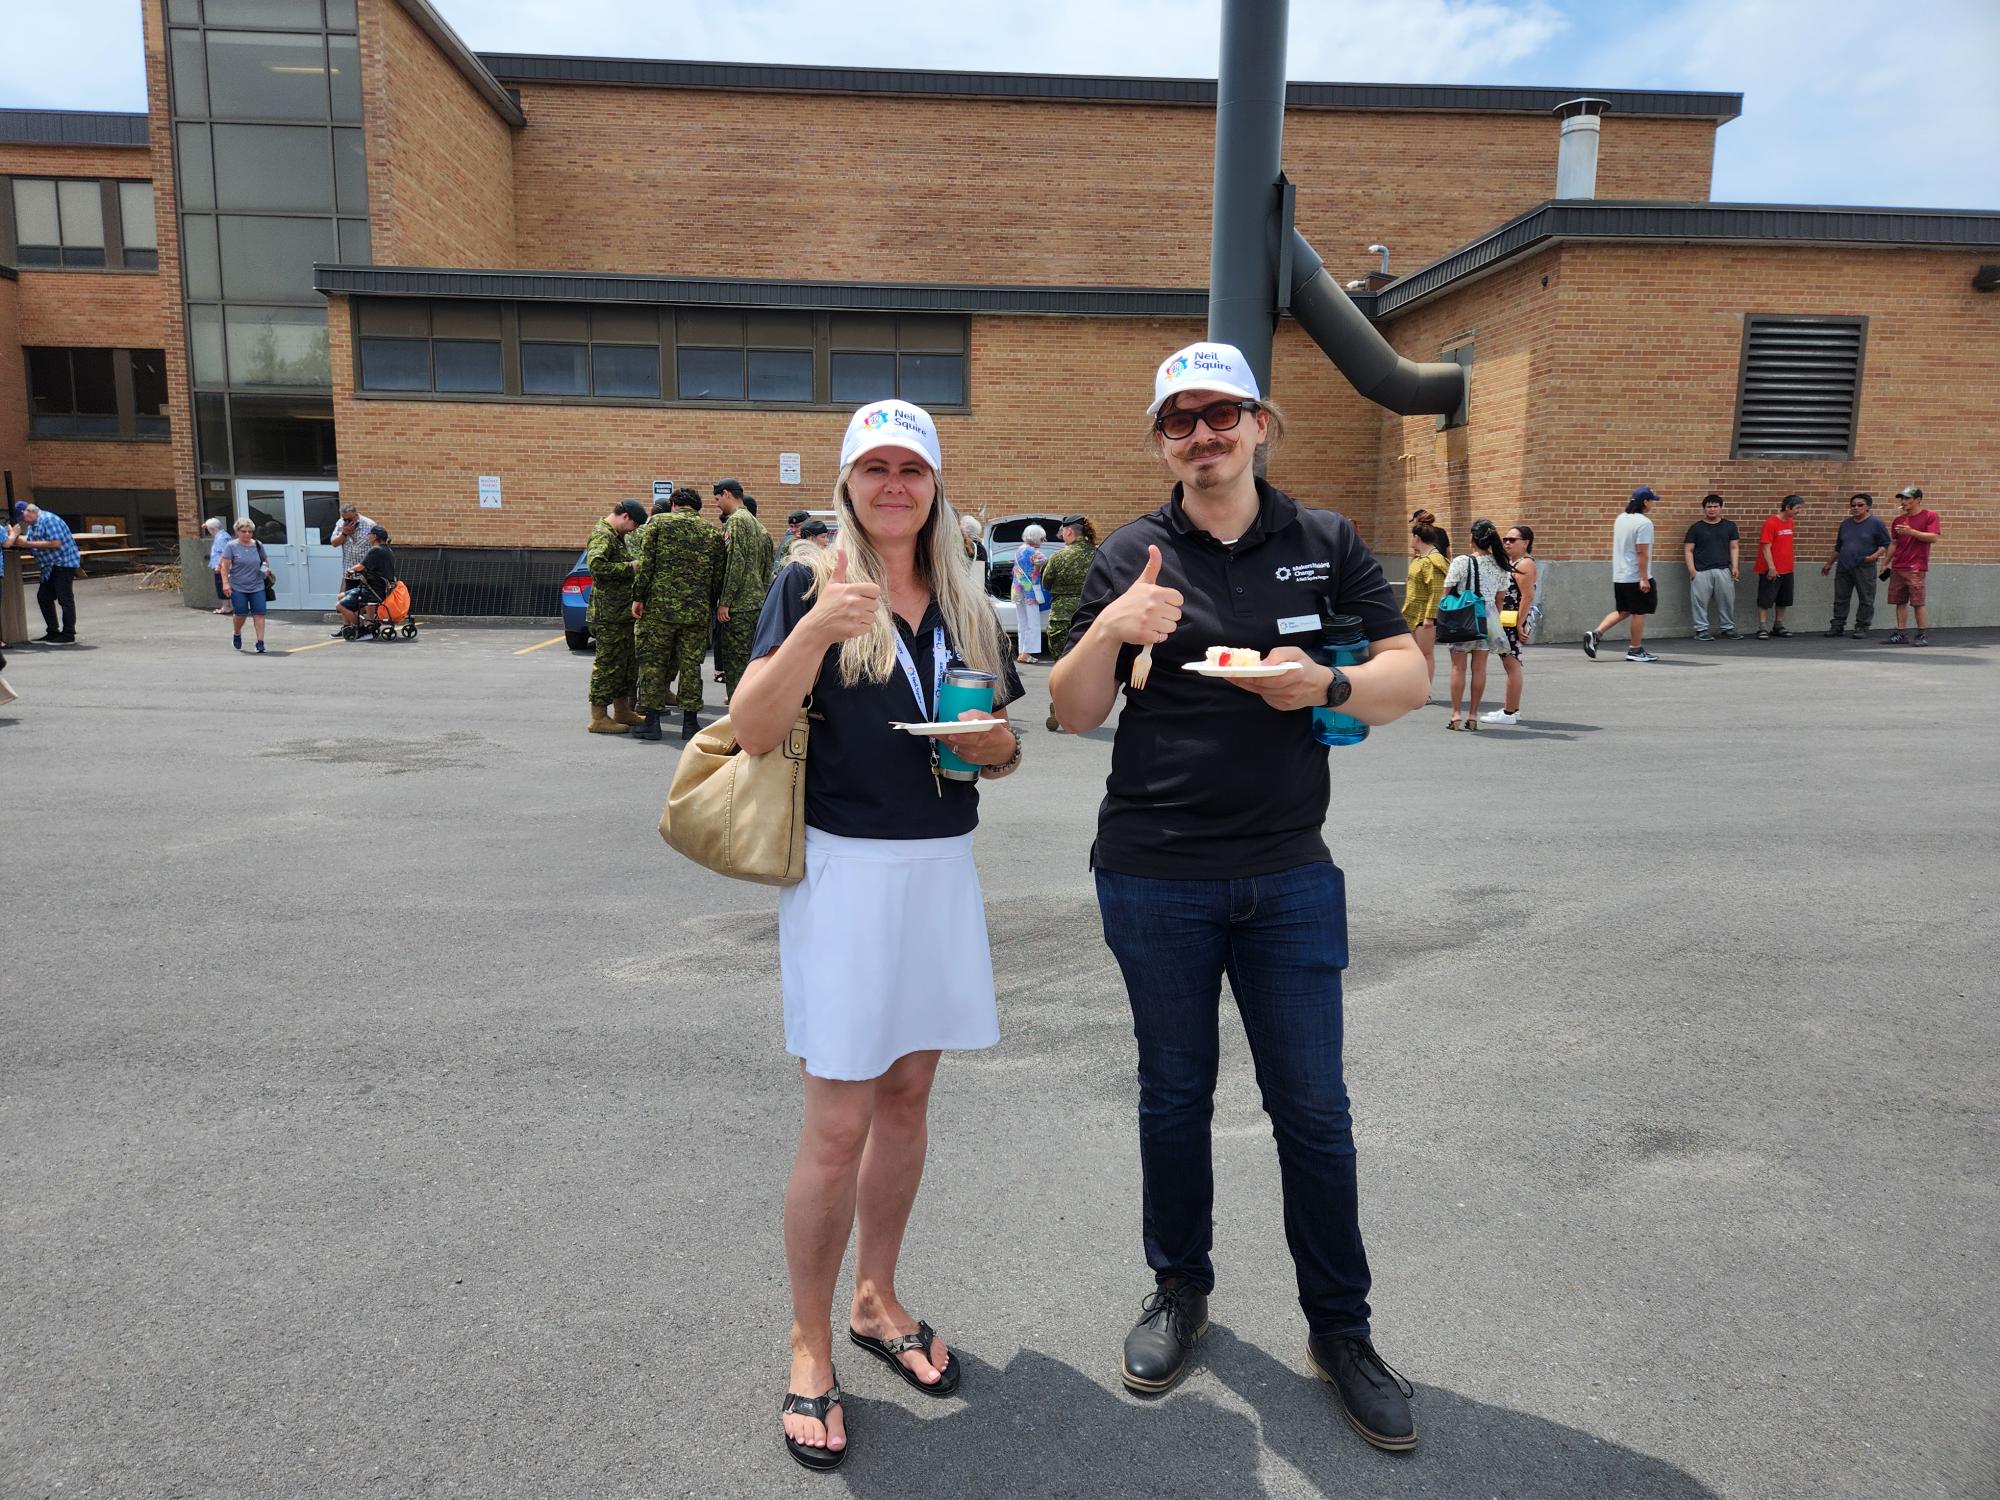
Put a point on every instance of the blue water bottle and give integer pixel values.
(962, 689)
(1341, 644)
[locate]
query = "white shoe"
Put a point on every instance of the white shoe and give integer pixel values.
(1500, 716)
(7, 694)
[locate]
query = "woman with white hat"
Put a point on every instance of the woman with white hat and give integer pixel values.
(883, 945)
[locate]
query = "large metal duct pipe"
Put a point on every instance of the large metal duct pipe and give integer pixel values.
(1325, 311)
(1251, 230)
(1249, 140)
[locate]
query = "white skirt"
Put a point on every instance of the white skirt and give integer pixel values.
(883, 951)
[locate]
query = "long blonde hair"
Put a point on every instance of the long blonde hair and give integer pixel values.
(969, 617)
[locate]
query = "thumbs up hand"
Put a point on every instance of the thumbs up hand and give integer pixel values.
(1146, 613)
(844, 610)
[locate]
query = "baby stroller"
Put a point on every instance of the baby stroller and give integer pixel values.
(386, 617)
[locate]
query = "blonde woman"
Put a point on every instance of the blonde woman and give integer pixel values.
(883, 946)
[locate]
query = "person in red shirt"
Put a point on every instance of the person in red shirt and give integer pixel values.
(1774, 567)
(1910, 562)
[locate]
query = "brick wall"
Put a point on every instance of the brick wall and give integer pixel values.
(173, 314)
(440, 161)
(843, 187)
(1631, 358)
(1059, 425)
(13, 391)
(130, 163)
(92, 309)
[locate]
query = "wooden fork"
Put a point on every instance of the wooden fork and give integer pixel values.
(1142, 666)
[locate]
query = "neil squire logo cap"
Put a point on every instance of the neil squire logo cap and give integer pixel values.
(1203, 367)
(892, 424)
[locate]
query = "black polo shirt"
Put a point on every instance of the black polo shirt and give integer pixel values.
(1207, 781)
(865, 780)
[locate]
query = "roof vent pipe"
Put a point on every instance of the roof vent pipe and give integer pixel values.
(1383, 251)
(1576, 154)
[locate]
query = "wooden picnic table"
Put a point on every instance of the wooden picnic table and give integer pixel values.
(102, 546)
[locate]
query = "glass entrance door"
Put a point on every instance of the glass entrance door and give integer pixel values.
(294, 518)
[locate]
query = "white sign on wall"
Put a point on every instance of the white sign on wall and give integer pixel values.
(788, 468)
(489, 491)
(663, 489)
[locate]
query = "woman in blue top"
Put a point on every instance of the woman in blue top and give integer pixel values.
(1031, 597)
(245, 567)
(883, 945)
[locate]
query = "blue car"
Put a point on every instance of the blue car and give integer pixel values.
(576, 605)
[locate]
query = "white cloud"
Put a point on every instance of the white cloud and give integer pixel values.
(1842, 103)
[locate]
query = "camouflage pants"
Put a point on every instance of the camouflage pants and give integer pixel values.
(670, 652)
(1058, 632)
(732, 646)
(612, 674)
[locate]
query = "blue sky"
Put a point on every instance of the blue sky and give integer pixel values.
(1844, 103)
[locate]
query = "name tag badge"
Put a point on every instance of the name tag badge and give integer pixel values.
(1298, 624)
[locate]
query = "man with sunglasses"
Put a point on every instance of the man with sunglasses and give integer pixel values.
(1210, 859)
(1861, 542)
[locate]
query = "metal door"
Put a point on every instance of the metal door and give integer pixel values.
(293, 519)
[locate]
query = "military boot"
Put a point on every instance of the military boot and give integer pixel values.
(690, 725)
(621, 710)
(602, 722)
(649, 727)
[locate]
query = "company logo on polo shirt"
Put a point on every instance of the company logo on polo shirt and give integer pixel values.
(1305, 572)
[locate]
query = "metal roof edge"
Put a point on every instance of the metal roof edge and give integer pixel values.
(72, 127)
(717, 291)
(641, 72)
(464, 59)
(8, 273)
(1647, 221)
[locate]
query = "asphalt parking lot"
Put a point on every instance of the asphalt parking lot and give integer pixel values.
(384, 1110)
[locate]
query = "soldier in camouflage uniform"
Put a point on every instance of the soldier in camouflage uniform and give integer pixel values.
(610, 562)
(1063, 578)
(679, 574)
(745, 582)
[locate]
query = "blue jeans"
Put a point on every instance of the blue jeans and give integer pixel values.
(1282, 941)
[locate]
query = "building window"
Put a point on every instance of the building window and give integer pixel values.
(612, 352)
(1798, 392)
(83, 223)
(96, 393)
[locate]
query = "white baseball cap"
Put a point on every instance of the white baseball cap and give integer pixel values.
(892, 424)
(1203, 367)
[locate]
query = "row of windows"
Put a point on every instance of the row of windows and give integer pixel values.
(85, 222)
(623, 353)
(96, 392)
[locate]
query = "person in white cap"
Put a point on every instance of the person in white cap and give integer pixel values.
(1210, 856)
(218, 538)
(883, 946)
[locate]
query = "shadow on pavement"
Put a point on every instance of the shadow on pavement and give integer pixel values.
(1042, 1429)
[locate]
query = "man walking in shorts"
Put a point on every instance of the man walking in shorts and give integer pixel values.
(1631, 576)
(1774, 566)
(1910, 562)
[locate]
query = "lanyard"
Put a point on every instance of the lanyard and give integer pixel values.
(940, 661)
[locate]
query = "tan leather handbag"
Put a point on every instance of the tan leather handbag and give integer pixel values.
(740, 815)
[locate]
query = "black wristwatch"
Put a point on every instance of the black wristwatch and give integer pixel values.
(1337, 691)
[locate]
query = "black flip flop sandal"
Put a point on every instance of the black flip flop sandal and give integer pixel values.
(888, 1350)
(822, 1460)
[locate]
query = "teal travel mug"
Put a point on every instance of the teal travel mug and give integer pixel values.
(962, 689)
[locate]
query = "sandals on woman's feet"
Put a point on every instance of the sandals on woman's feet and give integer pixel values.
(889, 1351)
(816, 1407)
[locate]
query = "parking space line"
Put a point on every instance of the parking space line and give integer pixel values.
(295, 650)
(539, 644)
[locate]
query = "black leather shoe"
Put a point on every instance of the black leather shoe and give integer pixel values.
(1374, 1398)
(1172, 1319)
(690, 725)
(650, 730)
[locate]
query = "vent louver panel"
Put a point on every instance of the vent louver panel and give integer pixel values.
(1800, 388)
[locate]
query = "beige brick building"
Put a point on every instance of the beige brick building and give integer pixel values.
(389, 268)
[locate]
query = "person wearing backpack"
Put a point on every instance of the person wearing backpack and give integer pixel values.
(1469, 617)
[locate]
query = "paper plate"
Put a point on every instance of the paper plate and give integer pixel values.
(963, 726)
(1262, 669)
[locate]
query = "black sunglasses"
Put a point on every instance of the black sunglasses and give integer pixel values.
(1220, 416)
